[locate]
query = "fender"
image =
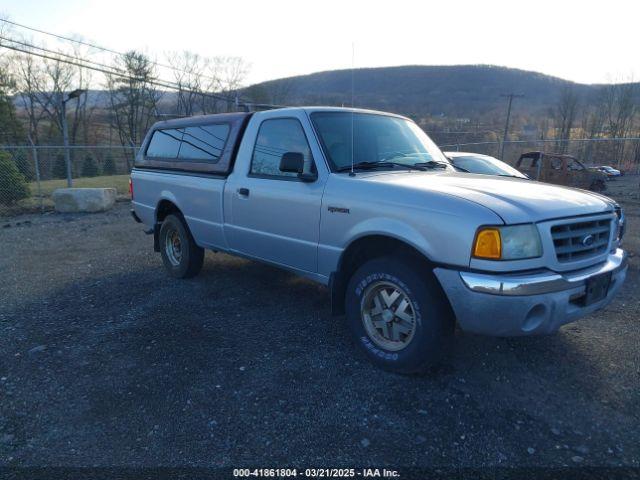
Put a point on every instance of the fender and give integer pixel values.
(388, 227)
(399, 235)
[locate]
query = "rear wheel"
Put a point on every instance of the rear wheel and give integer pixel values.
(398, 315)
(181, 256)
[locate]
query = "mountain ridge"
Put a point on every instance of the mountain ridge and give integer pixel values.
(458, 90)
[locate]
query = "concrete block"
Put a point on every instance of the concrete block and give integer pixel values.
(70, 200)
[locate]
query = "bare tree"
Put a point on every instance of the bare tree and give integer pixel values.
(565, 116)
(29, 76)
(133, 99)
(229, 73)
(619, 102)
(189, 74)
(83, 110)
(51, 86)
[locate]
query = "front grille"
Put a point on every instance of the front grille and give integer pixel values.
(581, 240)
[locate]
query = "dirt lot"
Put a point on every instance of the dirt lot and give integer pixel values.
(105, 361)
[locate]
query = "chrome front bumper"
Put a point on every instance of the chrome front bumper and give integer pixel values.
(526, 304)
(539, 283)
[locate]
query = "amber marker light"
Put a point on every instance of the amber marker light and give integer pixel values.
(488, 244)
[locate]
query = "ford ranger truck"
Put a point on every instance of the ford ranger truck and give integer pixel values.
(366, 204)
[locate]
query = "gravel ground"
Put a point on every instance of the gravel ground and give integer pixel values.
(106, 361)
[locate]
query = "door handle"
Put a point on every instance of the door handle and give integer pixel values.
(243, 192)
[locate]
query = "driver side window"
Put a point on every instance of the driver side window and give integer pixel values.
(275, 138)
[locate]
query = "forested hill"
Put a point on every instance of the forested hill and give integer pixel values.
(465, 90)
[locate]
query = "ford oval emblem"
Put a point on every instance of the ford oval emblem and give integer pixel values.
(587, 240)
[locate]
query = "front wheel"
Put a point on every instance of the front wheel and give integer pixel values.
(181, 256)
(598, 186)
(398, 315)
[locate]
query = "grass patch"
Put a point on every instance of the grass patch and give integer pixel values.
(119, 182)
(47, 187)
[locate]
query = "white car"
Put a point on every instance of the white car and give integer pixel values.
(610, 171)
(482, 164)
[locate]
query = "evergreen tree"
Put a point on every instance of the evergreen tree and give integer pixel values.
(89, 167)
(13, 186)
(11, 130)
(109, 167)
(59, 167)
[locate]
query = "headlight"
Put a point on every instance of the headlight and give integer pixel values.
(507, 243)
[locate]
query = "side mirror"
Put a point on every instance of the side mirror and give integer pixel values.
(293, 162)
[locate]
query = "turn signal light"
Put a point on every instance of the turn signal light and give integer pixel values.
(131, 188)
(488, 244)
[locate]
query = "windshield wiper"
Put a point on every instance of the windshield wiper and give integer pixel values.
(432, 164)
(380, 164)
(512, 176)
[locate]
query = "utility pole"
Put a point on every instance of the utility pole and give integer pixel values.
(510, 96)
(65, 133)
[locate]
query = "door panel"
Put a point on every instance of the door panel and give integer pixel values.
(273, 215)
(278, 221)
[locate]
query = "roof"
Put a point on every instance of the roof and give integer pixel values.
(347, 110)
(548, 154)
(201, 119)
(234, 116)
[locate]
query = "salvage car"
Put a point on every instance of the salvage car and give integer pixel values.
(366, 204)
(562, 170)
(482, 164)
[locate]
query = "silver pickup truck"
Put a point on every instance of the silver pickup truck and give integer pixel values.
(365, 203)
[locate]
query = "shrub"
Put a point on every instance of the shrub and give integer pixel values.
(109, 167)
(13, 185)
(59, 167)
(89, 167)
(24, 166)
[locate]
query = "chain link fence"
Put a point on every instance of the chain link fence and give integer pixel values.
(29, 175)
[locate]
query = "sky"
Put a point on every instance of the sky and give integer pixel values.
(584, 41)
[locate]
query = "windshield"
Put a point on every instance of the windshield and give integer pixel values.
(367, 137)
(486, 166)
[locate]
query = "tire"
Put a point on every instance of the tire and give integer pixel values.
(181, 256)
(598, 186)
(430, 337)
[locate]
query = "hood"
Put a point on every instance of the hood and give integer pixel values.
(515, 200)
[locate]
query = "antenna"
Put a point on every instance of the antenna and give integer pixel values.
(353, 56)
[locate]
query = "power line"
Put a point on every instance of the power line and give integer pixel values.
(75, 58)
(83, 65)
(61, 37)
(119, 73)
(98, 47)
(176, 86)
